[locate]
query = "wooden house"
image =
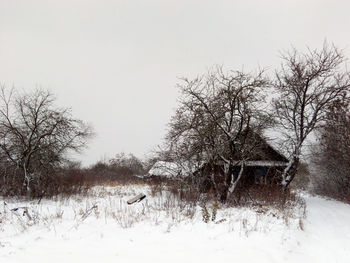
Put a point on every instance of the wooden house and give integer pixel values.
(262, 164)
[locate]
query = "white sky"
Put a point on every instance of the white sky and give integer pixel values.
(116, 63)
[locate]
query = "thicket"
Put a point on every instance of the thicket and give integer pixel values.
(331, 157)
(73, 179)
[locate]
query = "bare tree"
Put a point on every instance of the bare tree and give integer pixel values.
(211, 124)
(331, 155)
(128, 162)
(35, 135)
(307, 84)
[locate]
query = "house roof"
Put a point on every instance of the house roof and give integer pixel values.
(261, 150)
(262, 154)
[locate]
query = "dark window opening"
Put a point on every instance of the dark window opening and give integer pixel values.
(260, 174)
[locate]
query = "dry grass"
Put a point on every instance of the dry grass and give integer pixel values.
(168, 202)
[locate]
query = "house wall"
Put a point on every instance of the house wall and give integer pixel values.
(252, 176)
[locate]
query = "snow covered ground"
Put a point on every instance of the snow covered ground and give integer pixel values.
(101, 227)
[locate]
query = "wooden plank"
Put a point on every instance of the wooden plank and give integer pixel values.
(137, 198)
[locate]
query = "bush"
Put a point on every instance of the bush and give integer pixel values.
(44, 185)
(68, 180)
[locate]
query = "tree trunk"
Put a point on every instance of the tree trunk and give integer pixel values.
(290, 172)
(26, 181)
(233, 183)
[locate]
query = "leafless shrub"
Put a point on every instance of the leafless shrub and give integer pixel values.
(210, 216)
(205, 214)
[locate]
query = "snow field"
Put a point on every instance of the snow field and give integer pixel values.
(101, 227)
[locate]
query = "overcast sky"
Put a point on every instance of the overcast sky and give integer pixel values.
(116, 63)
